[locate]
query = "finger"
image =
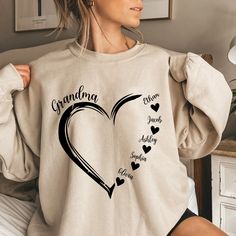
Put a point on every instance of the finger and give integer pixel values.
(22, 67)
(25, 77)
(25, 81)
(25, 73)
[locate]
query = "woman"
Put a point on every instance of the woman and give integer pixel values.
(107, 119)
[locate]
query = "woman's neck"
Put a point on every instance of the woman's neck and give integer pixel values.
(110, 40)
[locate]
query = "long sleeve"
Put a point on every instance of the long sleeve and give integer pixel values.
(17, 160)
(201, 101)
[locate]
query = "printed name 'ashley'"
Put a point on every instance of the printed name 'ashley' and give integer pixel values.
(57, 105)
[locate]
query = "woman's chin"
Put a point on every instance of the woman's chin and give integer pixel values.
(133, 24)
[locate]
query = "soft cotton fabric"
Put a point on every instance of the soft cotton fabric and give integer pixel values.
(15, 216)
(104, 133)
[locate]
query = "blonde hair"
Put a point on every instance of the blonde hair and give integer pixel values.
(77, 11)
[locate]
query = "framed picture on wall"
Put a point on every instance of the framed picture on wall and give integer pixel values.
(156, 9)
(35, 15)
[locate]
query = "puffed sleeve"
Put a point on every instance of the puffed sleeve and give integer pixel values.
(201, 101)
(18, 118)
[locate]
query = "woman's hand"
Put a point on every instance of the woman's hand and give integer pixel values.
(24, 71)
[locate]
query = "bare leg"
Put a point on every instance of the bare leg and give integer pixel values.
(197, 226)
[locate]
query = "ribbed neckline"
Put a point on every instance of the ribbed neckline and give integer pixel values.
(75, 48)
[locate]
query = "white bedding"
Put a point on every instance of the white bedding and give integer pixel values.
(14, 216)
(192, 202)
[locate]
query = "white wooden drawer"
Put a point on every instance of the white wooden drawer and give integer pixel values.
(224, 193)
(228, 218)
(228, 179)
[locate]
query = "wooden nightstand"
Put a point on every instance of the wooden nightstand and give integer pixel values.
(223, 168)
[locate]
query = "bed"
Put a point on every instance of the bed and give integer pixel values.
(17, 199)
(15, 215)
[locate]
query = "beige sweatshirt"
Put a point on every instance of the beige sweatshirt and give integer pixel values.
(104, 133)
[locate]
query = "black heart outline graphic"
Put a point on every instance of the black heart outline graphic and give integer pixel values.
(72, 151)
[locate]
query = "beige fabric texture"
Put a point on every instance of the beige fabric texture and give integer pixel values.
(85, 143)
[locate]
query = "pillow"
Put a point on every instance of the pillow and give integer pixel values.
(15, 216)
